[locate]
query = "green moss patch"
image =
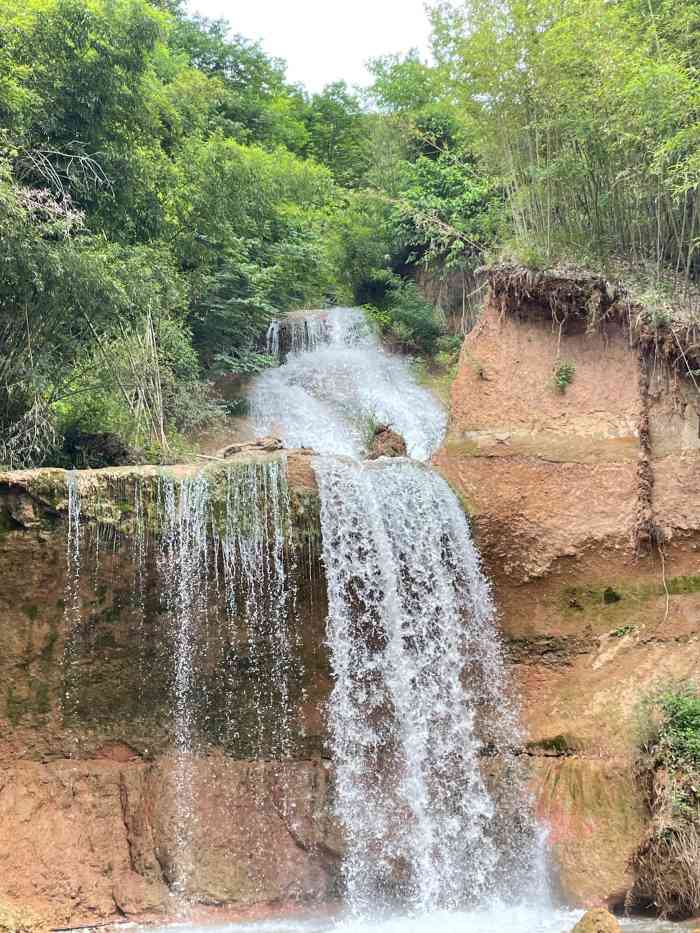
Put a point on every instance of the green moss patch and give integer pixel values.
(462, 448)
(35, 704)
(556, 745)
(614, 598)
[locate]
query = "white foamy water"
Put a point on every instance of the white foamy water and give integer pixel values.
(336, 384)
(417, 662)
(491, 919)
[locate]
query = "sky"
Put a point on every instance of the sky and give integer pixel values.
(325, 40)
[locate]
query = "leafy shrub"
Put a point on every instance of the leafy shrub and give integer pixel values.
(408, 321)
(672, 719)
(449, 343)
(665, 865)
(141, 388)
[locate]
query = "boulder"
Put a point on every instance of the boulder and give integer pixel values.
(386, 443)
(597, 921)
(14, 919)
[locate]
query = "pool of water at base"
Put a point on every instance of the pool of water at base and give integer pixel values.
(510, 919)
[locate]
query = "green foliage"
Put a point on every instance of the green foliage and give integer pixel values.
(165, 191)
(160, 176)
(665, 865)
(136, 383)
(405, 84)
(362, 246)
(623, 630)
(587, 114)
(406, 319)
(446, 207)
(672, 725)
(157, 206)
(63, 301)
(564, 373)
(337, 133)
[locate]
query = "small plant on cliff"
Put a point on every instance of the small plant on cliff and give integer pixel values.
(564, 373)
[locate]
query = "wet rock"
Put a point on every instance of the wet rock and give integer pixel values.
(15, 919)
(117, 751)
(260, 830)
(386, 443)
(597, 921)
(136, 896)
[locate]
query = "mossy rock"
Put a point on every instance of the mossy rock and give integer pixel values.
(617, 599)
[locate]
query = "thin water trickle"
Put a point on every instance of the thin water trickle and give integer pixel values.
(221, 570)
(224, 575)
(184, 556)
(72, 596)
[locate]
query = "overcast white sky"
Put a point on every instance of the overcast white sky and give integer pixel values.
(325, 40)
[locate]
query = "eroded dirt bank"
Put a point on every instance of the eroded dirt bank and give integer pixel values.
(586, 508)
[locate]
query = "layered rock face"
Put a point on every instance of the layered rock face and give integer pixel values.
(578, 456)
(88, 826)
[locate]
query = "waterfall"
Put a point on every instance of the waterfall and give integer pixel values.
(421, 693)
(299, 333)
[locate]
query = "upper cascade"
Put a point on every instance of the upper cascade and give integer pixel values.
(337, 384)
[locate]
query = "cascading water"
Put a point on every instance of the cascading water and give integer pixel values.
(301, 332)
(420, 688)
(336, 384)
(404, 737)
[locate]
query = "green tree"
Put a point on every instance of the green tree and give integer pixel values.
(587, 111)
(337, 133)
